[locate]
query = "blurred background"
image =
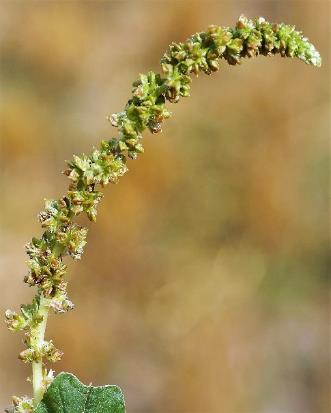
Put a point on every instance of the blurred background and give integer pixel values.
(204, 285)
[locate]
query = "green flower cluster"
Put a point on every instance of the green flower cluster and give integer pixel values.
(146, 109)
(29, 316)
(21, 405)
(203, 51)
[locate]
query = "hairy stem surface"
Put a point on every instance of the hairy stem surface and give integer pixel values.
(37, 337)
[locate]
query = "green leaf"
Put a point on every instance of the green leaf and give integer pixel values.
(67, 394)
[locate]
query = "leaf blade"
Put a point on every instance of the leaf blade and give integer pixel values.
(68, 395)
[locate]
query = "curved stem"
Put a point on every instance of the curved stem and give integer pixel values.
(37, 338)
(145, 109)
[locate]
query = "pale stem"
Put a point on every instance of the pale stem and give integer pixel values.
(38, 335)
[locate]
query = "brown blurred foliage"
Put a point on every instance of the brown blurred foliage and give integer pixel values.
(204, 286)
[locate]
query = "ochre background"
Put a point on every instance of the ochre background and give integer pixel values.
(203, 287)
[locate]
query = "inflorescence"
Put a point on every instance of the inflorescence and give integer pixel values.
(146, 109)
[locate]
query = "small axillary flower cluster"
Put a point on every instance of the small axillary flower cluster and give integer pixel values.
(146, 109)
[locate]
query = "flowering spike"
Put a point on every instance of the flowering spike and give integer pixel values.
(146, 109)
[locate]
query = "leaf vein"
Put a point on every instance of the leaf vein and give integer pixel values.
(87, 398)
(62, 400)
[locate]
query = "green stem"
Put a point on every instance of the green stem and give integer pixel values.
(38, 335)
